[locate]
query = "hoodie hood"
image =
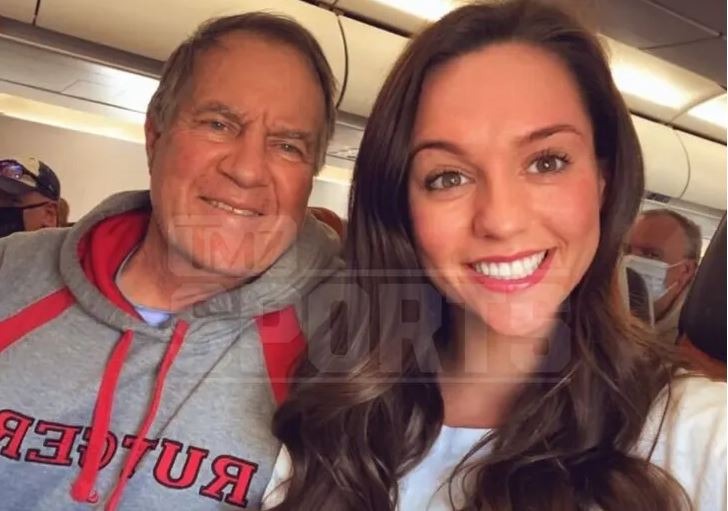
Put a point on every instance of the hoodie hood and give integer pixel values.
(176, 387)
(96, 246)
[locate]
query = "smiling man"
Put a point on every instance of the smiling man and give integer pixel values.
(152, 338)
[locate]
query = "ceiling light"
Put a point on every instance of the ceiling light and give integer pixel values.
(639, 82)
(62, 117)
(652, 80)
(430, 10)
(713, 111)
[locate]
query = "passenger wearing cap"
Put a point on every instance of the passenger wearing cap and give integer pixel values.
(29, 195)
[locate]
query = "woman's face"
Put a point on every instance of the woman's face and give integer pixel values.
(504, 186)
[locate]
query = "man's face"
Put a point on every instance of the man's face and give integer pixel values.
(45, 215)
(662, 238)
(232, 170)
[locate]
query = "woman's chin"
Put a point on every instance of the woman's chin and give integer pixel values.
(520, 321)
(526, 330)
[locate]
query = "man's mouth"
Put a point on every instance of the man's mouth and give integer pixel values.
(231, 209)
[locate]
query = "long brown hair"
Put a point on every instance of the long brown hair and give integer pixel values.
(353, 430)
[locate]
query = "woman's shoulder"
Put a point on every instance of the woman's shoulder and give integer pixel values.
(685, 434)
(275, 492)
(690, 401)
(691, 404)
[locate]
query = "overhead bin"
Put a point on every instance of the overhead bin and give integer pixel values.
(654, 87)
(708, 118)
(372, 53)
(154, 28)
(666, 165)
(707, 184)
(388, 15)
(21, 10)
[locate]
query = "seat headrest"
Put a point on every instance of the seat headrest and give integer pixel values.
(703, 317)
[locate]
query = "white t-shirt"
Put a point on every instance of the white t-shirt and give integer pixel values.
(691, 446)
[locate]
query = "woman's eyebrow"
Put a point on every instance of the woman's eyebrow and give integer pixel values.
(548, 131)
(442, 145)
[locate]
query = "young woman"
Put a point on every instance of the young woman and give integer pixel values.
(500, 165)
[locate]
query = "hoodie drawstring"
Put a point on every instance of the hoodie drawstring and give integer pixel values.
(83, 489)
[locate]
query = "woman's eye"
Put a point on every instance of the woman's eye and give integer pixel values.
(548, 163)
(445, 180)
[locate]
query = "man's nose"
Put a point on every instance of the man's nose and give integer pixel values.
(246, 163)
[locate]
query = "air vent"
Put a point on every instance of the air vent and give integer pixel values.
(346, 153)
(657, 197)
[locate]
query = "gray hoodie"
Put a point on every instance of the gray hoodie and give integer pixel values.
(181, 414)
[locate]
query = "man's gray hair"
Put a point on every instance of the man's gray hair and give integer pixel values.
(179, 67)
(692, 232)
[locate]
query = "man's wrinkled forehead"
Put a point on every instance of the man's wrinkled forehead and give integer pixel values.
(659, 232)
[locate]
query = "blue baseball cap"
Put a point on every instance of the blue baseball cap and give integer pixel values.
(23, 175)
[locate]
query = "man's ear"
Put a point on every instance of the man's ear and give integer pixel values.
(50, 215)
(692, 269)
(152, 133)
(687, 274)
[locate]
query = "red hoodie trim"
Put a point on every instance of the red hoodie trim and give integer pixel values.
(33, 316)
(106, 246)
(283, 342)
(101, 253)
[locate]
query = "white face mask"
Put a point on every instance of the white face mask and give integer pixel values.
(653, 272)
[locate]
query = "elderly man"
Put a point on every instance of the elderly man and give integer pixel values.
(664, 249)
(145, 347)
(29, 196)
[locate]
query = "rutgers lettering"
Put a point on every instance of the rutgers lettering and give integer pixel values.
(177, 467)
(190, 470)
(109, 448)
(61, 447)
(230, 471)
(13, 428)
(147, 445)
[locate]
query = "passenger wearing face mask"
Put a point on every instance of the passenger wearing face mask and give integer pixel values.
(664, 248)
(29, 194)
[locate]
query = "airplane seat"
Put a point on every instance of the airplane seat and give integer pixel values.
(640, 304)
(328, 217)
(634, 293)
(702, 324)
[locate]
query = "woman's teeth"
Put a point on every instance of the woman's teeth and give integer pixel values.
(517, 269)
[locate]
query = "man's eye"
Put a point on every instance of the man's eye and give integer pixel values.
(217, 125)
(290, 151)
(290, 148)
(447, 179)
